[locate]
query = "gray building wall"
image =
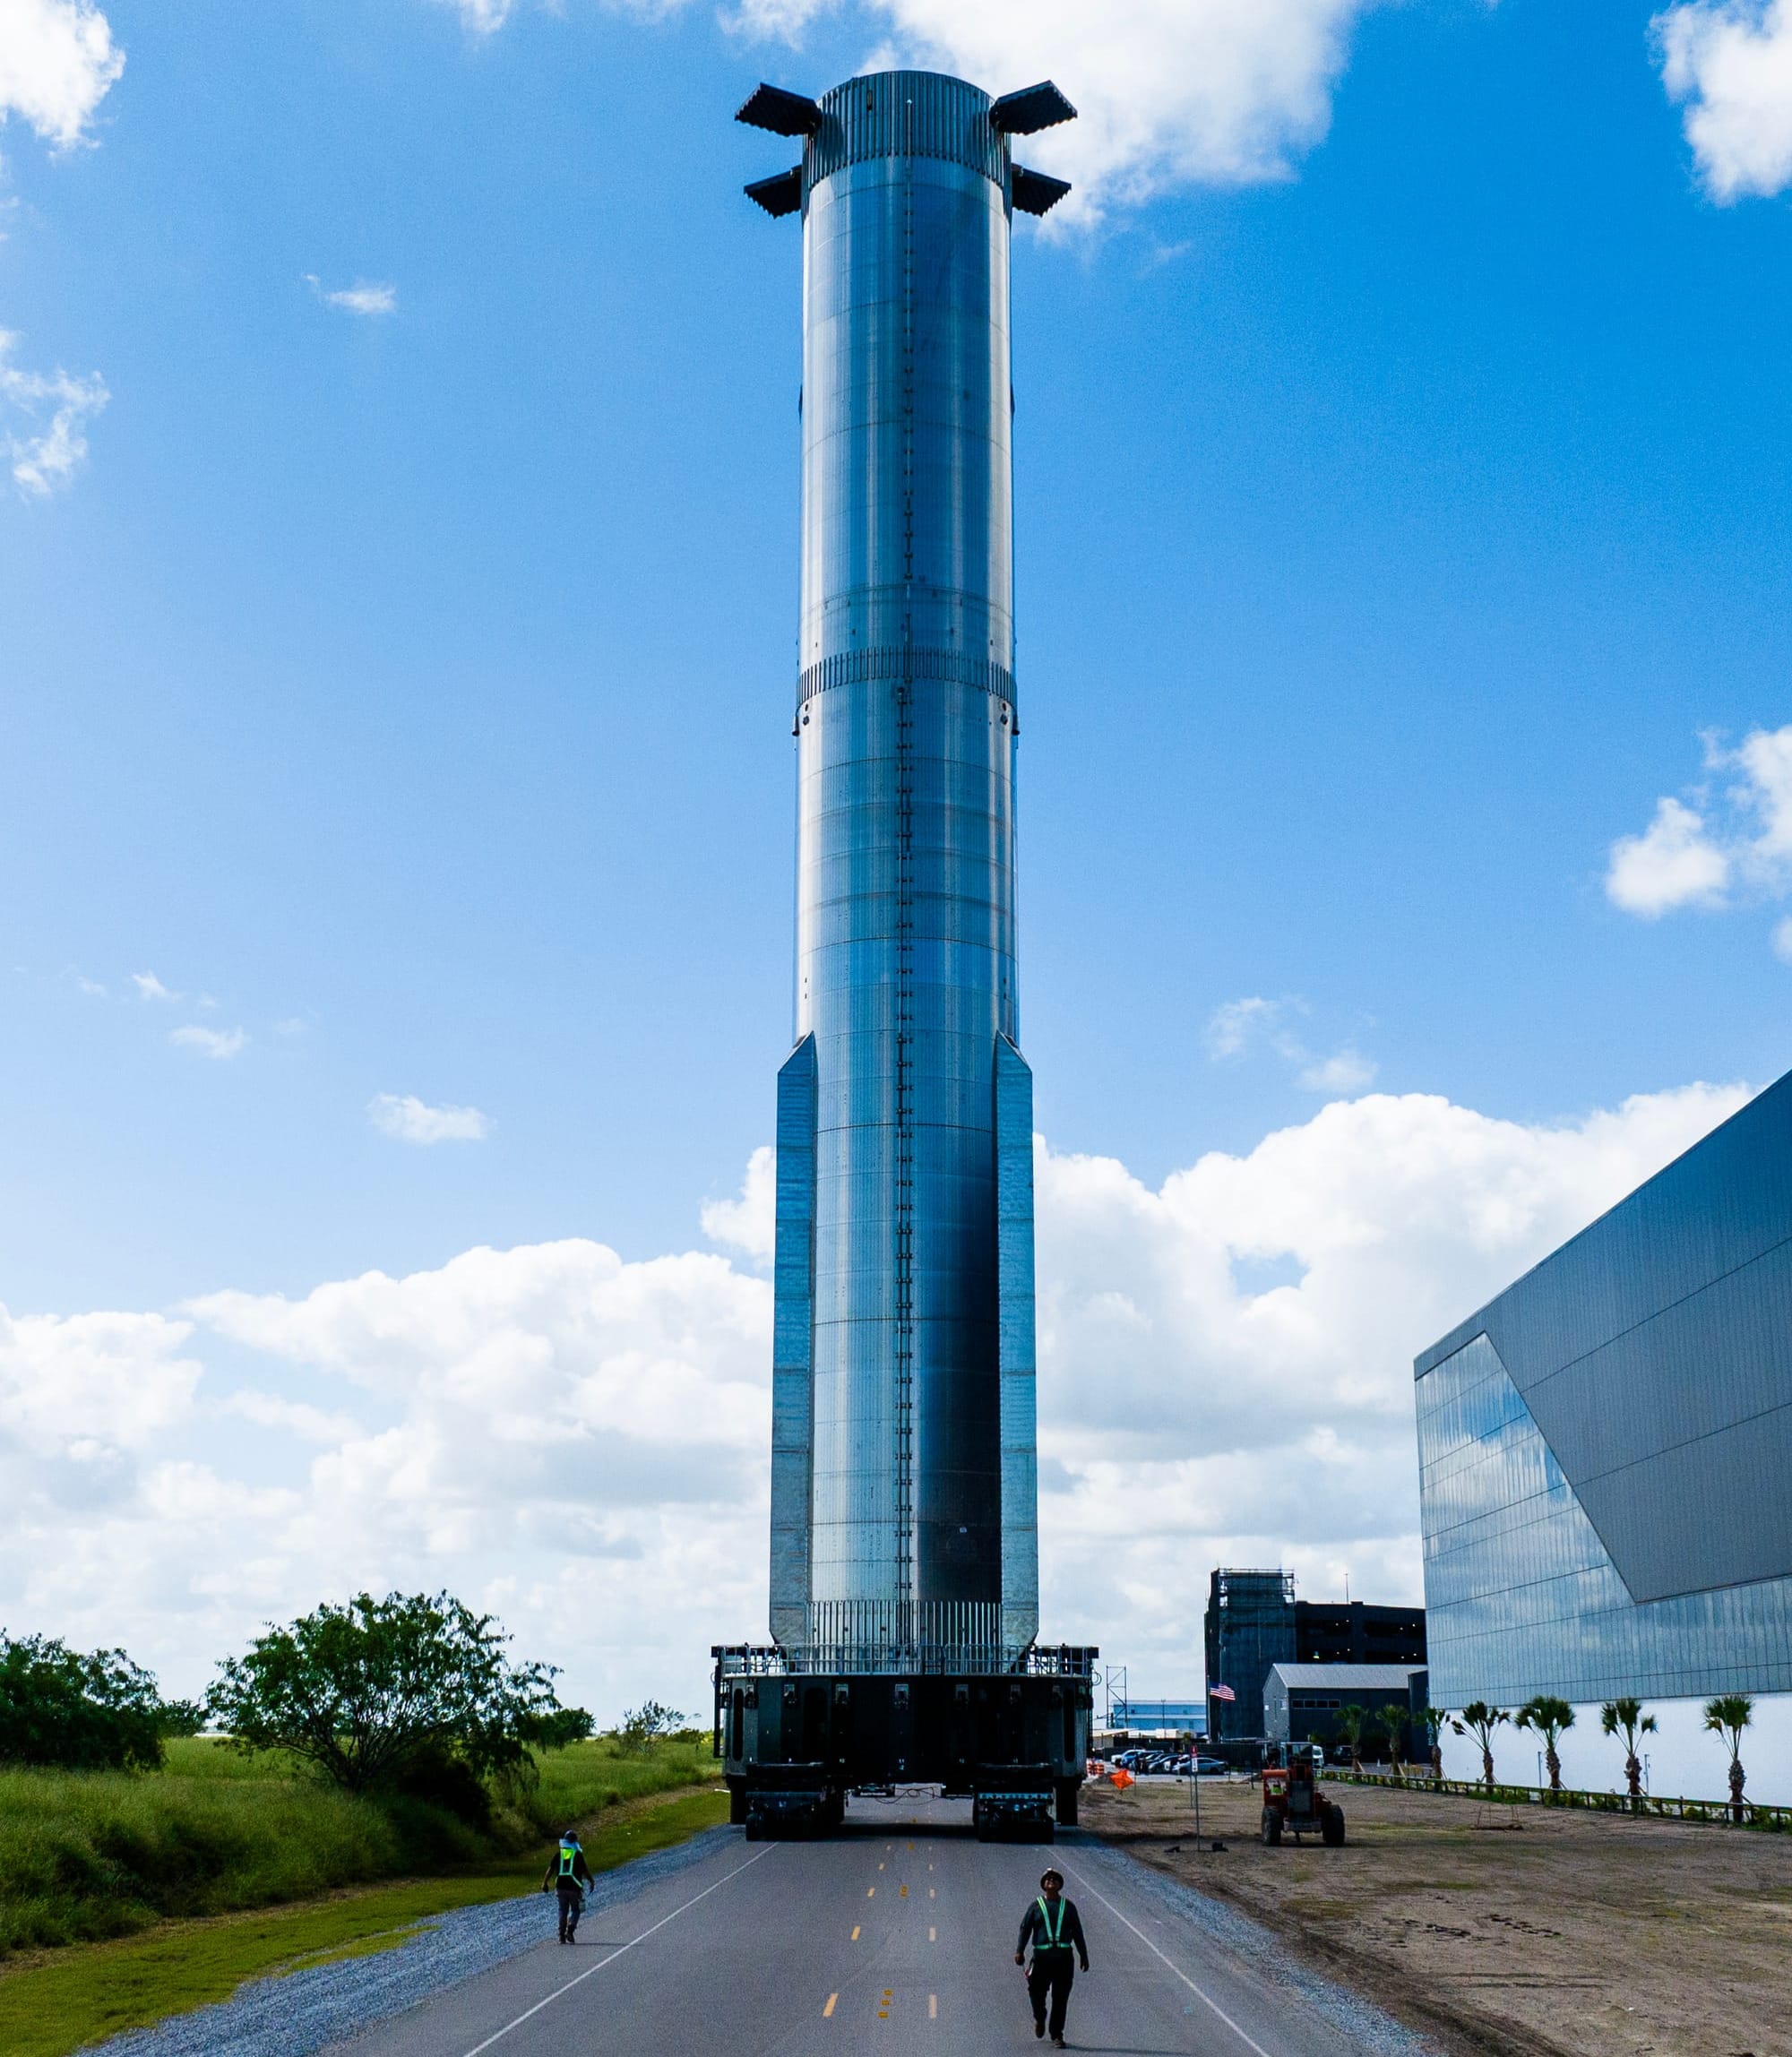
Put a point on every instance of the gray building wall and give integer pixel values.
(1606, 1448)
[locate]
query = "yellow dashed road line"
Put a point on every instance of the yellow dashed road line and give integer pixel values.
(828, 2009)
(933, 2007)
(933, 1935)
(870, 1892)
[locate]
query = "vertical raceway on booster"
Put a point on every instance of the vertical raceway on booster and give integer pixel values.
(904, 1496)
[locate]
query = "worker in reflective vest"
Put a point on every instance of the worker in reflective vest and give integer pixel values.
(567, 1876)
(1054, 1929)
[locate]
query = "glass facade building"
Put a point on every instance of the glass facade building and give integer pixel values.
(1606, 1448)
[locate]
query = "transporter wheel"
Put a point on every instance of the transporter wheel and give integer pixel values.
(736, 1806)
(1272, 1827)
(1331, 1828)
(1068, 1791)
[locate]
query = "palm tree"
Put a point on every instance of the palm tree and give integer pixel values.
(1480, 1720)
(1434, 1718)
(1626, 1718)
(1728, 1716)
(1394, 1719)
(1550, 1717)
(1352, 1721)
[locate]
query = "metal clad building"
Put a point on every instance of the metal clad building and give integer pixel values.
(1302, 1702)
(904, 1495)
(1606, 1448)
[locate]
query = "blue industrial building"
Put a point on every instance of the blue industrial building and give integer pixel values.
(1606, 1448)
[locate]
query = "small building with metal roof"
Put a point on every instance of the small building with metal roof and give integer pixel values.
(1302, 1702)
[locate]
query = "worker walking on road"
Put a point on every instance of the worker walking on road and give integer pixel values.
(568, 1875)
(1054, 1929)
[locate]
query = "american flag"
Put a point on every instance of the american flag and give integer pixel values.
(1220, 1692)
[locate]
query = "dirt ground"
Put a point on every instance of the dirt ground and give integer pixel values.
(1525, 1932)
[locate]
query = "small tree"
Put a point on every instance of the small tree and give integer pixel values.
(370, 1692)
(1394, 1718)
(563, 1727)
(1625, 1717)
(1728, 1716)
(1434, 1718)
(1551, 1718)
(640, 1725)
(1352, 1722)
(92, 1713)
(1480, 1720)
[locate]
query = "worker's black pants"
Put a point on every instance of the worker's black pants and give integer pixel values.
(570, 1899)
(1051, 1974)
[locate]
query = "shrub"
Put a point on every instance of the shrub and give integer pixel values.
(99, 1712)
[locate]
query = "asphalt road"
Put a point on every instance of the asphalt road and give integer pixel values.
(896, 1936)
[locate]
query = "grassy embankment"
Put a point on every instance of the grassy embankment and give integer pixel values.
(157, 1859)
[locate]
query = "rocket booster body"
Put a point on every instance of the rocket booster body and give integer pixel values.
(904, 1494)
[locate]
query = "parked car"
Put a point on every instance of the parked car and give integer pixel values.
(1211, 1767)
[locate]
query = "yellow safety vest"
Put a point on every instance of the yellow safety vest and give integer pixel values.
(1054, 1939)
(570, 1854)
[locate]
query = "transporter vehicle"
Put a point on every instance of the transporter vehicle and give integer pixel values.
(795, 1745)
(1292, 1801)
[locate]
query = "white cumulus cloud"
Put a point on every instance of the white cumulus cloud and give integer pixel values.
(57, 61)
(1169, 92)
(749, 1222)
(1190, 1418)
(149, 988)
(47, 413)
(1730, 63)
(364, 297)
(1673, 863)
(580, 1444)
(219, 1045)
(408, 1120)
(1737, 842)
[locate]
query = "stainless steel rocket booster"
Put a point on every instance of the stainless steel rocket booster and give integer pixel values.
(904, 1494)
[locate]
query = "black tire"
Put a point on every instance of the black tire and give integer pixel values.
(736, 1806)
(1331, 1828)
(1272, 1827)
(1068, 1791)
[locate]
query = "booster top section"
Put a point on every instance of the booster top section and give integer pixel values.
(907, 114)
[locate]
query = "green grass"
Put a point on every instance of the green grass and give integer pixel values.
(74, 1997)
(89, 1856)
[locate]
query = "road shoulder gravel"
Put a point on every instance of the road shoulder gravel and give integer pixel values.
(301, 2012)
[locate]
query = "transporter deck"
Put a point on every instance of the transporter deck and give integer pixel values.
(796, 1741)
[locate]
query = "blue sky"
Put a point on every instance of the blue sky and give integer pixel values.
(403, 682)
